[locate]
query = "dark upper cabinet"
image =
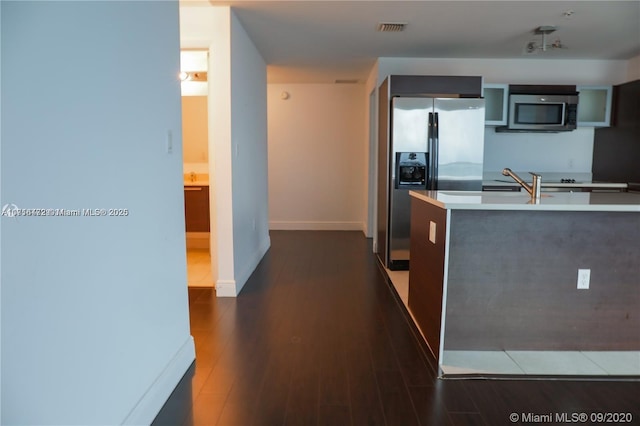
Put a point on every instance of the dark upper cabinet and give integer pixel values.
(435, 85)
(616, 149)
(626, 107)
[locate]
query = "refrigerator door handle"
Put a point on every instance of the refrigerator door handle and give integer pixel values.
(434, 153)
(430, 123)
(430, 151)
(430, 132)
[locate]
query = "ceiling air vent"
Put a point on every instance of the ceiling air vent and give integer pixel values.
(390, 27)
(346, 81)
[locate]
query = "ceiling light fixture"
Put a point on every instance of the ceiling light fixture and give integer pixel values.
(193, 76)
(544, 31)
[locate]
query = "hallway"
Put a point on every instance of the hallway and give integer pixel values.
(318, 337)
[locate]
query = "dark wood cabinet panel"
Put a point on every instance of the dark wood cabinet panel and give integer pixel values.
(426, 273)
(616, 149)
(626, 104)
(512, 281)
(196, 208)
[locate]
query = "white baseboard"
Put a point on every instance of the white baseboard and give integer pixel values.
(226, 288)
(231, 288)
(197, 240)
(252, 263)
(316, 226)
(149, 405)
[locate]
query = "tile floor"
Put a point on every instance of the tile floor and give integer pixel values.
(199, 268)
(400, 280)
(547, 363)
(572, 363)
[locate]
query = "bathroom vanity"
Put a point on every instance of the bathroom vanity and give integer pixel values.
(196, 210)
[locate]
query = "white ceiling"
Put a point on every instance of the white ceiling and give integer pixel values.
(321, 41)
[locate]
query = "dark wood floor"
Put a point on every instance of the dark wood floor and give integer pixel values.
(318, 337)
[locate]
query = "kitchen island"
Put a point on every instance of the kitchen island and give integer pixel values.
(495, 272)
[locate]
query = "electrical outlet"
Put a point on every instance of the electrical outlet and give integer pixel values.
(432, 231)
(584, 275)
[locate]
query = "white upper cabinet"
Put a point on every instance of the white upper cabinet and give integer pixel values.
(594, 106)
(495, 103)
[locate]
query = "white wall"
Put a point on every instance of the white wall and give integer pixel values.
(195, 130)
(1, 198)
(95, 326)
(220, 184)
(249, 154)
(570, 152)
(317, 156)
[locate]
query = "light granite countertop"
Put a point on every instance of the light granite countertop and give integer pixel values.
(557, 201)
(196, 179)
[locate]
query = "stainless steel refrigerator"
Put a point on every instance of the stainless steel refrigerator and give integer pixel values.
(428, 143)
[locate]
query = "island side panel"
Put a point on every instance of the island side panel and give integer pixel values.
(426, 270)
(512, 282)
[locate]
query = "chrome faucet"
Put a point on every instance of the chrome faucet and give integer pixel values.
(533, 189)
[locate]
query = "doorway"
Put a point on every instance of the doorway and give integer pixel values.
(195, 154)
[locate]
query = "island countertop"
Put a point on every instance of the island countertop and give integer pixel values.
(557, 201)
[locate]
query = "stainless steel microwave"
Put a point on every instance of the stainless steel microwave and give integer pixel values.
(551, 113)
